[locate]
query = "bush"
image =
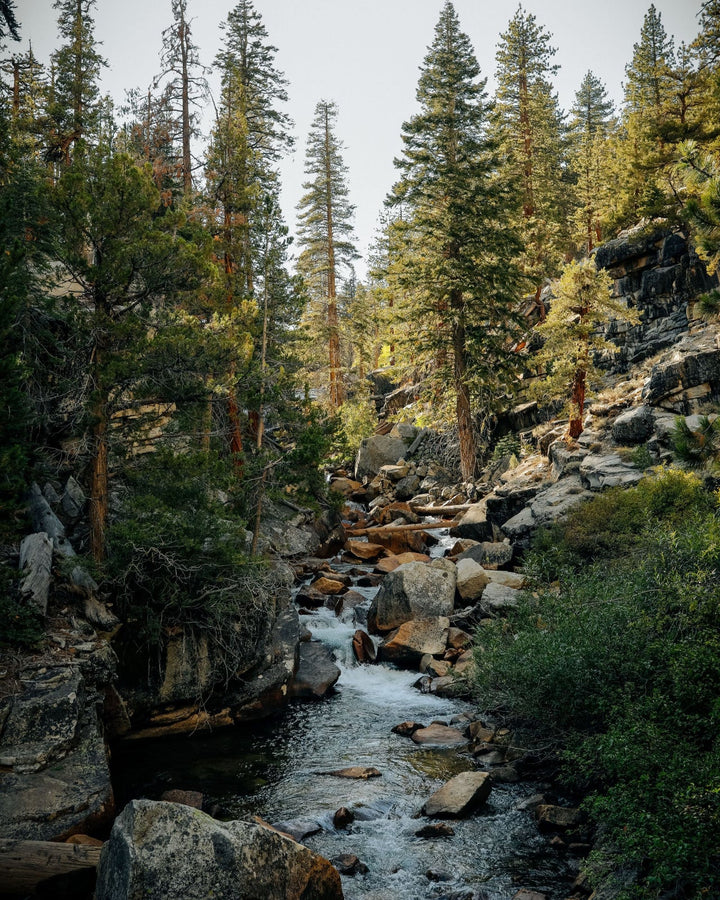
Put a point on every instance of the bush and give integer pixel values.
(20, 626)
(622, 664)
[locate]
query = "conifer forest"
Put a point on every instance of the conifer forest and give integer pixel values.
(223, 431)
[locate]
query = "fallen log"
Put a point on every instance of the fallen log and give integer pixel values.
(441, 510)
(386, 529)
(25, 864)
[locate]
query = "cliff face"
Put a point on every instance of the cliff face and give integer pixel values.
(657, 272)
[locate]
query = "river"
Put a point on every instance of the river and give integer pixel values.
(275, 770)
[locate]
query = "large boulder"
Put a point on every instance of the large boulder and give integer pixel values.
(474, 524)
(459, 796)
(316, 673)
(553, 503)
(36, 553)
(471, 579)
(164, 850)
(377, 451)
(413, 590)
(634, 426)
(412, 640)
(601, 471)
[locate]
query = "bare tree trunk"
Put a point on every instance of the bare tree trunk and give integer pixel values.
(187, 161)
(336, 390)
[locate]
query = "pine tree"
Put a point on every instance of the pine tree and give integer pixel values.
(74, 108)
(8, 20)
(325, 234)
(459, 239)
(186, 87)
(529, 123)
(581, 303)
(589, 128)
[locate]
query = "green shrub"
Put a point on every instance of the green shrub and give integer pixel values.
(697, 447)
(20, 626)
(621, 664)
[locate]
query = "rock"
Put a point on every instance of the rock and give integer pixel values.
(399, 542)
(436, 830)
(488, 553)
(497, 599)
(73, 499)
(349, 864)
(395, 472)
(480, 732)
(458, 639)
(505, 775)
(514, 580)
(99, 615)
(36, 552)
(359, 772)
(529, 895)
(44, 519)
(162, 850)
(437, 735)
(406, 729)
(474, 524)
(464, 662)
(558, 818)
(345, 486)
(328, 586)
(298, 829)
(412, 640)
(471, 579)
(309, 597)
(459, 796)
(546, 507)
(601, 471)
(451, 687)
(343, 817)
(363, 647)
(413, 590)
(55, 778)
(390, 563)
(407, 487)
(316, 672)
(364, 549)
(397, 510)
(633, 426)
(193, 799)
(695, 361)
(376, 452)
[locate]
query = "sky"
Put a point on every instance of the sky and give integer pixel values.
(365, 55)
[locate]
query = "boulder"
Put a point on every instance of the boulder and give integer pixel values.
(36, 552)
(364, 549)
(407, 487)
(345, 486)
(397, 542)
(390, 563)
(488, 553)
(298, 829)
(515, 580)
(44, 519)
(458, 639)
(558, 818)
(377, 451)
(316, 672)
(406, 729)
(601, 471)
(474, 524)
(497, 599)
(437, 735)
(471, 579)
(413, 590)
(73, 499)
(412, 640)
(328, 586)
(162, 850)
(459, 796)
(397, 510)
(363, 647)
(357, 772)
(547, 506)
(349, 864)
(634, 426)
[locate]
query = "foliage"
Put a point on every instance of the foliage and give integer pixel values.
(697, 446)
(621, 662)
(359, 420)
(20, 626)
(508, 445)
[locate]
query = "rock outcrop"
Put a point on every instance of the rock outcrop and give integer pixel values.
(161, 850)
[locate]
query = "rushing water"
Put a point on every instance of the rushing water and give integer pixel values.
(276, 770)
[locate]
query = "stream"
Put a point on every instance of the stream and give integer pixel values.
(274, 770)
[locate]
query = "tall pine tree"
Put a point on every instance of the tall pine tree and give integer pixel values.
(325, 234)
(460, 243)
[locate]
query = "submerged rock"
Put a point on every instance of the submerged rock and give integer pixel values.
(158, 851)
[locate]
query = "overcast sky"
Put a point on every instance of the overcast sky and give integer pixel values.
(365, 54)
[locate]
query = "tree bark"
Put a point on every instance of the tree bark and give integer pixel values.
(336, 390)
(26, 864)
(575, 428)
(462, 391)
(98, 507)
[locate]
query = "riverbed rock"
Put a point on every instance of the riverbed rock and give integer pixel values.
(488, 553)
(357, 772)
(162, 850)
(413, 590)
(365, 549)
(471, 579)
(316, 672)
(474, 524)
(328, 586)
(460, 796)
(497, 599)
(437, 735)
(406, 729)
(407, 645)
(377, 451)
(558, 818)
(363, 647)
(298, 829)
(343, 817)
(436, 830)
(349, 864)
(399, 542)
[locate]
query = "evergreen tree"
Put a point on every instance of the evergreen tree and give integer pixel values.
(590, 126)
(125, 259)
(460, 243)
(8, 20)
(581, 303)
(74, 108)
(529, 123)
(186, 87)
(325, 234)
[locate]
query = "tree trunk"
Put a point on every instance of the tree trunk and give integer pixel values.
(577, 404)
(99, 467)
(187, 161)
(336, 390)
(462, 391)
(26, 864)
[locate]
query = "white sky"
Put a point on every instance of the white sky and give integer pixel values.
(365, 54)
